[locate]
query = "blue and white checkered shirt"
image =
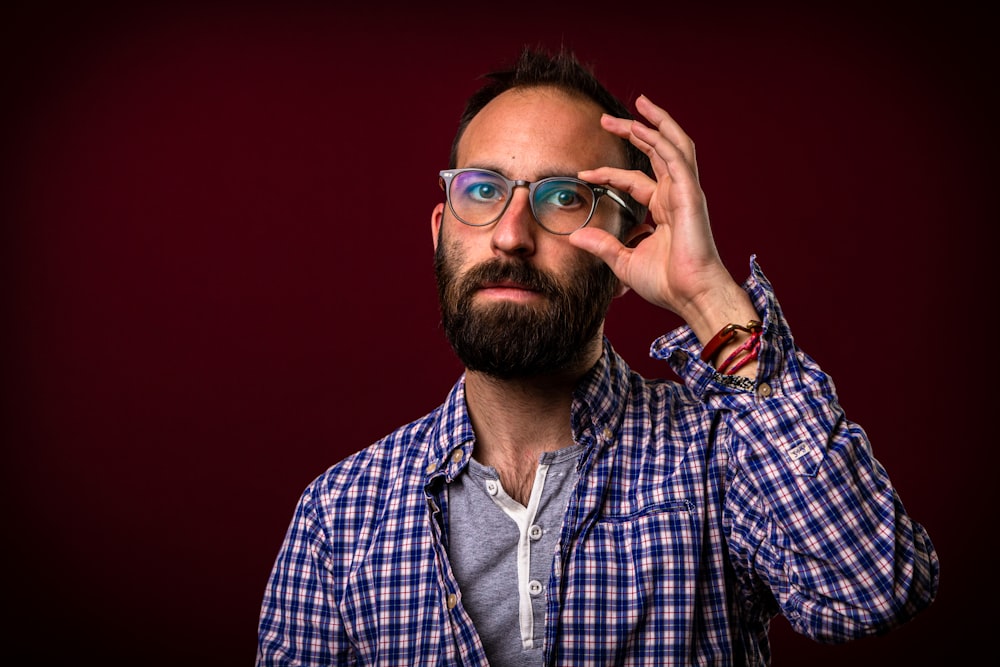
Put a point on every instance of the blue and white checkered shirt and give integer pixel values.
(702, 510)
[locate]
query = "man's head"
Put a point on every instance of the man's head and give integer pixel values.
(562, 70)
(518, 300)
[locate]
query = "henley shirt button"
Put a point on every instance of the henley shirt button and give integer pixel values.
(492, 487)
(535, 532)
(764, 389)
(452, 601)
(534, 587)
(456, 455)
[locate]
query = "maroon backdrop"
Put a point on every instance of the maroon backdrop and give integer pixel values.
(217, 278)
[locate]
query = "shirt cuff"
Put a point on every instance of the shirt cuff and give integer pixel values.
(681, 348)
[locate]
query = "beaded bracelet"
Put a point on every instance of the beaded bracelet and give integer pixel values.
(725, 335)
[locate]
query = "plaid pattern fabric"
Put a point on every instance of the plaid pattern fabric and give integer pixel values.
(702, 510)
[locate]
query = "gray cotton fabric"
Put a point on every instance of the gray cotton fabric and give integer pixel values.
(501, 553)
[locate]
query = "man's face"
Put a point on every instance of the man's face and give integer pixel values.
(507, 339)
(516, 300)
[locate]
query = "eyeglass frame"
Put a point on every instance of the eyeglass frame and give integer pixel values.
(445, 177)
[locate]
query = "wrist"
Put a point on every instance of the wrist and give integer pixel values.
(715, 310)
(730, 358)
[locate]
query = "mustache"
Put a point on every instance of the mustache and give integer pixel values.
(495, 271)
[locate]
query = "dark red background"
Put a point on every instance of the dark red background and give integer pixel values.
(217, 279)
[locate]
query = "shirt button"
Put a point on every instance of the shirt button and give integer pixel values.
(492, 487)
(456, 455)
(430, 468)
(534, 587)
(535, 532)
(452, 601)
(764, 389)
(607, 434)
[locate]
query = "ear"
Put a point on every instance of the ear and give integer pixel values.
(621, 289)
(633, 237)
(436, 216)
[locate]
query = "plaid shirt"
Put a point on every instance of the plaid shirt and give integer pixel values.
(702, 510)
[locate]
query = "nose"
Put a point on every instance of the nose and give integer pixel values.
(514, 233)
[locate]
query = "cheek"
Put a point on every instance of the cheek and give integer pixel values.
(580, 261)
(463, 244)
(449, 258)
(450, 249)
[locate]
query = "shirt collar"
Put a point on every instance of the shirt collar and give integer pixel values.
(600, 399)
(598, 407)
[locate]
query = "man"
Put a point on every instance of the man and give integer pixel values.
(558, 509)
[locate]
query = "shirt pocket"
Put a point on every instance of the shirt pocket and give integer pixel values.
(635, 576)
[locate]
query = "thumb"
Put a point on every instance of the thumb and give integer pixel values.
(604, 245)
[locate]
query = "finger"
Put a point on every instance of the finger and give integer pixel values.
(623, 128)
(667, 126)
(635, 183)
(620, 127)
(604, 245)
(672, 160)
(674, 140)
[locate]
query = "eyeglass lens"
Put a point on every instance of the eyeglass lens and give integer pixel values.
(559, 205)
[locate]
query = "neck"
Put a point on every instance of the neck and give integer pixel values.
(516, 420)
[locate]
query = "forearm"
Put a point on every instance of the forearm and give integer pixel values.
(813, 512)
(837, 548)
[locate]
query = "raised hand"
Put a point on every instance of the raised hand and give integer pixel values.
(678, 266)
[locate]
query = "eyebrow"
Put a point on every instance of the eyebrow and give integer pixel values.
(550, 173)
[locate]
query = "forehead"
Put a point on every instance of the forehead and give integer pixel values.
(535, 132)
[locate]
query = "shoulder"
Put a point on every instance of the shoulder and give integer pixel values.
(378, 469)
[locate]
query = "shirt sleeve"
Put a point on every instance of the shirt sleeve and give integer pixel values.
(811, 515)
(299, 621)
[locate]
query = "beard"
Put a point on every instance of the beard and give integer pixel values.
(510, 340)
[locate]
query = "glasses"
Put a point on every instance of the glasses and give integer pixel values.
(561, 205)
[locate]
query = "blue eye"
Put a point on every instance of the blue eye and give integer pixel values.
(479, 187)
(566, 198)
(563, 195)
(484, 191)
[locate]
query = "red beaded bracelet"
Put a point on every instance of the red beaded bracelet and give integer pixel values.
(725, 335)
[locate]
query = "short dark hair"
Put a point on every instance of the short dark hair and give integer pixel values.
(536, 68)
